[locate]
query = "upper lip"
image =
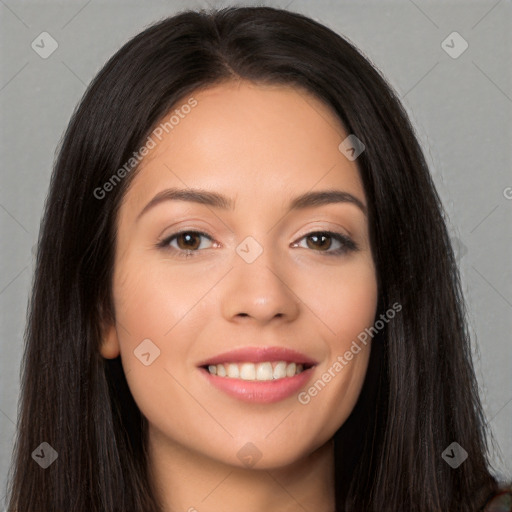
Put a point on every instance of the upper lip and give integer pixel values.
(259, 355)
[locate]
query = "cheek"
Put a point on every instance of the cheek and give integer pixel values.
(152, 299)
(149, 308)
(357, 304)
(154, 335)
(344, 299)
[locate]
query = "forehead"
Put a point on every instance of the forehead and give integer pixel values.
(247, 141)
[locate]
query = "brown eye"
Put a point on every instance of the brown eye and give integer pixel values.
(320, 241)
(188, 240)
(187, 243)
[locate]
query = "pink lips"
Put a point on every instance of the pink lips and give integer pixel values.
(259, 391)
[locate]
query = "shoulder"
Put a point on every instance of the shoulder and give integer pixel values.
(501, 502)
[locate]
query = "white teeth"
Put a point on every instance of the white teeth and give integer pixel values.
(290, 370)
(264, 371)
(248, 371)
(233, 371)
(280, 370)
(260, 371)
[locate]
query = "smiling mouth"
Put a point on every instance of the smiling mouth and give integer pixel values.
(263, 371)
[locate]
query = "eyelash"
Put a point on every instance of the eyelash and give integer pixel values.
(348, 245)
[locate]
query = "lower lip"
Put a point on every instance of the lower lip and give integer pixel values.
(262, 392)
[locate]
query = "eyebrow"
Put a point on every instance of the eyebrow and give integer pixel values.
(216, 200)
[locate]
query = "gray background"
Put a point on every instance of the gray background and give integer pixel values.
(461, 108)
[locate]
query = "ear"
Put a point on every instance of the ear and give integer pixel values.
(109, 348)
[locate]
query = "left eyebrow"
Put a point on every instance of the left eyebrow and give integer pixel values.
(216, 200)
(319, 198)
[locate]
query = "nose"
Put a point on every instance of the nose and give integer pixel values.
(260, 291)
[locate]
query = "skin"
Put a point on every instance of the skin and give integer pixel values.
(261, 146)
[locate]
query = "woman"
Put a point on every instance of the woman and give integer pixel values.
(309, 353)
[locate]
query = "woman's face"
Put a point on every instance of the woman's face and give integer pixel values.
(261, 275)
